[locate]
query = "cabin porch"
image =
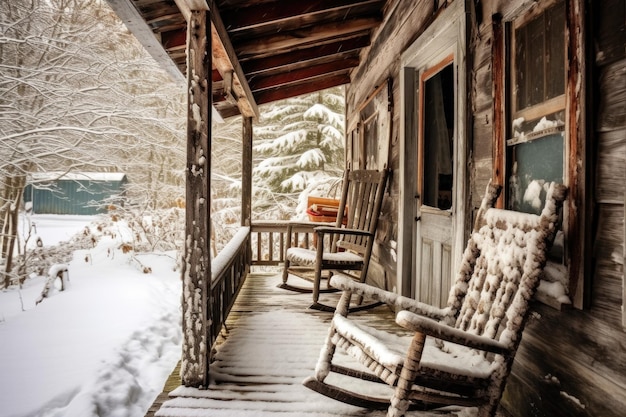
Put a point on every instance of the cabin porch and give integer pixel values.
(268, 344)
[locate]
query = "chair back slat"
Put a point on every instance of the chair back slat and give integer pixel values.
(364, 198)
(501, 269)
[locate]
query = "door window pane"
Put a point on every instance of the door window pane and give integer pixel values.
(438, 125)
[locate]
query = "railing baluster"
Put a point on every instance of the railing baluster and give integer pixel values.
(259, 241)
(271, 246)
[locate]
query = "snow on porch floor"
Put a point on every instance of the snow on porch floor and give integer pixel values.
(271, 346)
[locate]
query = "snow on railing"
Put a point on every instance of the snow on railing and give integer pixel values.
(268, 240)
(261, 244)
(228, 272)
(227, 256)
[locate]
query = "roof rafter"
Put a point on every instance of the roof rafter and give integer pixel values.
(263, 50)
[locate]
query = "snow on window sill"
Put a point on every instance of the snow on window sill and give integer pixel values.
(552, 289)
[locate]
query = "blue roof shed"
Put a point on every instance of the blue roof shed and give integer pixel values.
(80, 193)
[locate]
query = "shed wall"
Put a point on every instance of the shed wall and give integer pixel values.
(79, 197)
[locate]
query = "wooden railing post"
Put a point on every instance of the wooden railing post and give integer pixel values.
(246, 172)
(196, 269)
(246, 182)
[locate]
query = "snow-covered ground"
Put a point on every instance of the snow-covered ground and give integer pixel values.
(102, 347)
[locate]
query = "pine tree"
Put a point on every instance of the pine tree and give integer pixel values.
(299, 147)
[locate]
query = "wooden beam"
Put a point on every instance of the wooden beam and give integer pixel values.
(227, 110)
(315, 53)
(282, 79)
(315, 84)
(162, 18)
(174, 39)
(246, 172)
(350, 56)
(304, 37)
(226, 60)
(186, 6)
(499, 128)
(138, 27)
(224, 57)
(579, 242)
(196, 268)
(298, 12)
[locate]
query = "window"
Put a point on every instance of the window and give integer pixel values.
(540, 131)
(535, 148)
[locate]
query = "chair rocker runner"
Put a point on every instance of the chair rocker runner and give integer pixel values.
(346, 246)
(461, 354)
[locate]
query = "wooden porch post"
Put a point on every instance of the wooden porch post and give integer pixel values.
(196, 269)
(246, 172)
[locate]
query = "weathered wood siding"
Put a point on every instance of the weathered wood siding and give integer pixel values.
(609, 20)
(404, 21)
(571, 362)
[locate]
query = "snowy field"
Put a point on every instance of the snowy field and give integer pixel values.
(104, 346)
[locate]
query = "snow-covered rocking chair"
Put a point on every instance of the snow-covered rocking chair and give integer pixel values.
(351, 238)
(459, 355)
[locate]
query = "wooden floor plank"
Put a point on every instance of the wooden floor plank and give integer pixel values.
(270, 345)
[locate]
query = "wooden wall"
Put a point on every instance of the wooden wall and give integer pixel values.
(609, 22)
(382, 62)
(571, 362)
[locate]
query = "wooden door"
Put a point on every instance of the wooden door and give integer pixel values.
(435, 182)
(433, 164)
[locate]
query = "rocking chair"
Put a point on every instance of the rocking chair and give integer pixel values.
(459, 355)
(346, 246)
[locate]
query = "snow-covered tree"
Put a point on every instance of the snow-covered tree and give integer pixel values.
(298, 145)
(78, 92)
(226, 166)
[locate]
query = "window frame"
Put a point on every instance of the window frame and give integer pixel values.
(576, 228)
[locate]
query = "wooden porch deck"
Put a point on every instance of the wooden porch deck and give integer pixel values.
(271, 346)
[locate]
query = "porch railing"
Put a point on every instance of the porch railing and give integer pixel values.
(268, 241)
(228, 272)
(263, 244)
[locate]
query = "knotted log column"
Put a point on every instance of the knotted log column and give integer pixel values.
(196, 271)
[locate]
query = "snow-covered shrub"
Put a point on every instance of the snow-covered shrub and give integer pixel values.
(38, 260)
(145, 230)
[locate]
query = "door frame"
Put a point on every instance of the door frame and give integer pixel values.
(446, 35)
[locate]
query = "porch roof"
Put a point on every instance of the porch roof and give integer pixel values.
(263, 50)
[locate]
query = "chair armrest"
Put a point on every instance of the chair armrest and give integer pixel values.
(305, 226)
(342, 231)
(397, 302)
(430, 327)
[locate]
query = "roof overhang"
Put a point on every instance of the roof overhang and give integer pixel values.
(263, 50)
